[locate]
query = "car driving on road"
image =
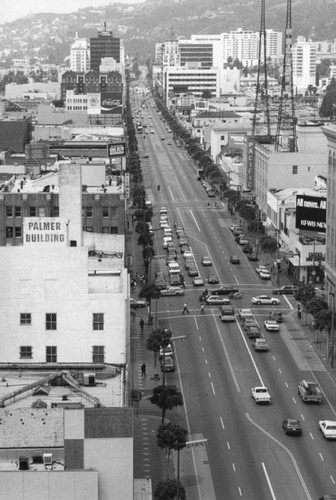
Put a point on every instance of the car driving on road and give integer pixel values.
(265, 299)
(286, 290)
(260, 394)
(292, 426)
(224, 290)
(271, 325)
(207, 261)
(172, 291)
(328, 428)
(216, 299)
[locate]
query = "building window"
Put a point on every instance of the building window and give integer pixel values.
(9, 232)
(295, 170)
(51, 354)
(17, 211)
(56, 212)
(26, 351)
(41, 211)
(89, 229)
(18, 232)
(89, 212)
(106, 230)
(32, 211)
(114, 230)
(98, 354)
(51, 321)
(98, 321)
(9, 211)
(105, 212)
(25, 318)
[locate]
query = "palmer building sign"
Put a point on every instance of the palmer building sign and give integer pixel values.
(44, 231)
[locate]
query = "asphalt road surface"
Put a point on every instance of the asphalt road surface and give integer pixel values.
(250, 457)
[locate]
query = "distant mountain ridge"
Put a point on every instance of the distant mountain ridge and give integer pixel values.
(141, 25)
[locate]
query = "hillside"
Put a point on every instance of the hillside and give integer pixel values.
(141, 25)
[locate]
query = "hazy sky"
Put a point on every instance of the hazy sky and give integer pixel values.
(12, 9)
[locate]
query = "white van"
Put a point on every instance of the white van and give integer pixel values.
(165, 241)
(167, 231)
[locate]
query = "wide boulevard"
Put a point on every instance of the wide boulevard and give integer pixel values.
(249, 455)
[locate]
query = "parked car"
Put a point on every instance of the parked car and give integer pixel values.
(253, 257)
(136, 303)
(265, 274)
(245, 313)
(198, 281)
(211, 193)
(243, 240)
(193, 271)
(261, 267)
(253, 332)
(276, 315)
(292, 426)
(234, 259)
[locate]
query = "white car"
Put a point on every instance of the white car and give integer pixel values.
(217, 299)
(265, 299)
(261, 268)
(245, 313)
(261, 395)
(198, 281)
(172, 291)
(163, 211)
(265, 274)
(271, 325)
(166, 239)
(206, 261)
(328, 428)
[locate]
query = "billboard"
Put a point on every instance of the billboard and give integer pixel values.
(311, 213)
(111, 102)
(114, 149)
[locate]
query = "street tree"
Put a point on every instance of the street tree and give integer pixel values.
(304, 294)
(315, 305)
(328, 106)
(167, 490)
(268, 244)
(149, 292)
(159, 338)
(166, 397)
(323, 320)
(172, 437)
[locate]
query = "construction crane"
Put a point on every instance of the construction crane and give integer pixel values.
(286, 138)
(261, 126)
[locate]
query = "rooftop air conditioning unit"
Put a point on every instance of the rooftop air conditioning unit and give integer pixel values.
(23, 463)
(47, 459)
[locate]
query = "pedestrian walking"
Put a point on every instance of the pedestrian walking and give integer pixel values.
(142, 324)
(202, 309)
(143, 370)
(185, 309)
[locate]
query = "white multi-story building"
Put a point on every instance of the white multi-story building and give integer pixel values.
(274, 44)
(241, 45)
(183, 80)
(304, 64)
(79, 55)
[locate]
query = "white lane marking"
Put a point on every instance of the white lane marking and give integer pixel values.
(321, 456)
(192, 214)
(233, 467)
(221, 420)
(286, 299)
(226, 353)
(240, 491)
(332, 479)
(268, 481)
(294, 399)
(203, 349)
(236, 279)
(196, 324)
(280, 371)
(171, 193)
(200, 338)
(286, 385)
(209, 374)
(287, 450)
(310, 434)
(228, 445)
(213, 389)
(302, 416)
(250, 354)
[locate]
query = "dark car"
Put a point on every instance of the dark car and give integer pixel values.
(224, 290)
(292, 426)
(253, 332)
(247, 249)
(192, 271)
(286, 290)
(276, 315)
(253, 257)
(213, 279)
(234, 259)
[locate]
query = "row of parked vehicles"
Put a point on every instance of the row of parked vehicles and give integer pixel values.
(243, 241)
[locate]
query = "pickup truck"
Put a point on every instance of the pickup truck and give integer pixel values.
(260, 394)
(309, 392)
